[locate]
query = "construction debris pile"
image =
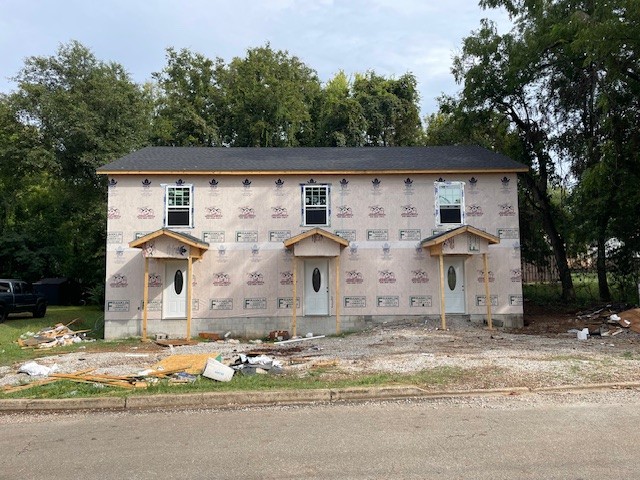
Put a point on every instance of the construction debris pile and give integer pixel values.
(178, 368)
(55, 336)
(252, 364)
(610, 320)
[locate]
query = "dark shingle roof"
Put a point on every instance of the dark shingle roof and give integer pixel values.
(310, 159)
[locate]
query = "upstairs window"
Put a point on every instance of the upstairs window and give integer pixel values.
(449, 203)
(315, 205)
(179, 206)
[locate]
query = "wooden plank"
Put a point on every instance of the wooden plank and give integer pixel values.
(189, 295)
(175, 342)
(26, 386)
(337, 295)
(115, 383)
(145, 300)
(487, 291)
(443, 318)
(295, 290)
(190, 363)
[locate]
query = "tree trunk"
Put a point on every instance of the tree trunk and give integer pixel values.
(601, 267)
(543, 205)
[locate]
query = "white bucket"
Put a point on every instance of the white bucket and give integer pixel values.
(583, 334)
(217, 371)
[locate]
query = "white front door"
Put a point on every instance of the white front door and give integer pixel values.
(316, 286)
(454, 284)
(175, 290)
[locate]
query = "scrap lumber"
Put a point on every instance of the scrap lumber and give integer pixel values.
(630, 319)
(175, 342)
(214, 337)
(190, 363)
(51, 336)
(27, 386)
(302, 339)
(115, 381)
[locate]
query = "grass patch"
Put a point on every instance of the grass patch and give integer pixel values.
(440, 377)
(550, 294)
(89, 318)
(585, 286)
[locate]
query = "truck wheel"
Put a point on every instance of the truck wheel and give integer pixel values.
(40, 310)
(3, 314)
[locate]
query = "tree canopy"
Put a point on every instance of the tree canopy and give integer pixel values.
(70, 114)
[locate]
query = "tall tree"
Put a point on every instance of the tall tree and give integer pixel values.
(504, 74)
(270, 96)
(390, 109)
(72, 113)
(563, 91)
(189, 109)
(341, 118)
(24, 191)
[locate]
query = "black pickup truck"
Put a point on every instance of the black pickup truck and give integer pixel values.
(17, 296)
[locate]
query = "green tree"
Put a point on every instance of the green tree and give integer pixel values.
(70, 114)
(390, 108)
(24, 177)
(189, 108)
(570, 94)
(503, 74)
(341, 118)
(270, 97)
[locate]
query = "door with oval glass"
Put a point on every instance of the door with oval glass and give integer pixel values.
(454, 284)
(316, 286)
(175, 289)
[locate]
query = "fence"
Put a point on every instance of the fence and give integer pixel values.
(541, 273)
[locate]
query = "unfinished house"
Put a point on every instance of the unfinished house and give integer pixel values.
(322, 240)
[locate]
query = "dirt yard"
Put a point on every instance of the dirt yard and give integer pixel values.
(463, 357)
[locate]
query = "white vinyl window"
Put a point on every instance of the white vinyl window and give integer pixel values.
(179, 206)
(315, 205)
(449, 203)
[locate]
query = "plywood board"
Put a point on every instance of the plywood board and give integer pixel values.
(190, 363)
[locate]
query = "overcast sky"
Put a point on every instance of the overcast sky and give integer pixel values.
(391, 37)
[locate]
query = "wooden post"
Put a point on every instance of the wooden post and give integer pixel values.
(189, 295)
(442, 304)
(338, 295)
(486, 290)
(295, 291)
(145, 298)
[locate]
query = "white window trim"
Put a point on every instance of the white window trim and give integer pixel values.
(303, 205)
(166, 205)
(437, 186)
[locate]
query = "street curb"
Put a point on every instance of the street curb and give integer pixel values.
(30, 405)
(220, 399)
(280, 397)
(591, 386)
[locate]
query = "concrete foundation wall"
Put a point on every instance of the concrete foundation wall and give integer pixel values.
(260, 327)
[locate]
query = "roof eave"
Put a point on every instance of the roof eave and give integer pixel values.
(312, 172)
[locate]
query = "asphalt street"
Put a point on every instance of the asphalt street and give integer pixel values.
(580, 436)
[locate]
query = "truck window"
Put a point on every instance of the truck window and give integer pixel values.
(17, 287)
(4, 287)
